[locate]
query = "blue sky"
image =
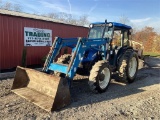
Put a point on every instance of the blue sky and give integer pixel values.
(139, 12)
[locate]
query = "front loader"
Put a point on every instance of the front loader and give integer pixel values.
(96, 54)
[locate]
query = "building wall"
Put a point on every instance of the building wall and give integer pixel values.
(12, 39)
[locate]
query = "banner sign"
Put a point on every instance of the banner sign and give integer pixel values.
(37, 37)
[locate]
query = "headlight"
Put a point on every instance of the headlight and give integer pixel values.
(91, 25)
(110, 24)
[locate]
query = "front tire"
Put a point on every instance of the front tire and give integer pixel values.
(100, 77)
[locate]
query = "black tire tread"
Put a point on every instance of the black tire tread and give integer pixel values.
(94, 74)
(122, 66)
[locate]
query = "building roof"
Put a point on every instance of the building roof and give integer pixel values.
(32, 16)
(26, 15)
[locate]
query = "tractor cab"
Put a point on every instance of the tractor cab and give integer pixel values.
(116, 34)
(107, 29)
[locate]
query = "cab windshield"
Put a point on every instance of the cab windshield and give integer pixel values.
(97, 32)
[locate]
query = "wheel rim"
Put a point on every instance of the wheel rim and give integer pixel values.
(132, 67)
(106, 77)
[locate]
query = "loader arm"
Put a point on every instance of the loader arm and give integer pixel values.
(82, 44)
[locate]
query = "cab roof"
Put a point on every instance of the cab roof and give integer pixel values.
(119, 25)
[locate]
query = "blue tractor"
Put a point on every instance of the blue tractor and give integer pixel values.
(106, 50)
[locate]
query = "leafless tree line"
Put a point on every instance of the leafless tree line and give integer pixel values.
(10, 6)
(68, 18)
(64, 17)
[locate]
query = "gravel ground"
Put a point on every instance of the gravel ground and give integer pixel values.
(139, 100)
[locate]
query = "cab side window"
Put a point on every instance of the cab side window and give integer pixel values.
(125, 37)
(116, 38)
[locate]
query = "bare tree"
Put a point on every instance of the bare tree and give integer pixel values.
(52, 15)
(74, 22)
(123, 19)
(10, 6)
(7, 6)
(62, 16)
(17, 8)
(68, 18)
(83, 20)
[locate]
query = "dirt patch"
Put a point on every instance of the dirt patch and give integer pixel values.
(139, 100)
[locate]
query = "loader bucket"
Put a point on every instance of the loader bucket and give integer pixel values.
(46, 91)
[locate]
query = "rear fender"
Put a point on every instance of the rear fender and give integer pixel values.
(121, 51)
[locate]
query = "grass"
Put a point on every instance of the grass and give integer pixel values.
(153, 54)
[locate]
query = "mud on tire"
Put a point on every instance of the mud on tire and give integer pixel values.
(100, 76)
(128, 66)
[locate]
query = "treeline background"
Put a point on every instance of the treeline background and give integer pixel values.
(146, 36)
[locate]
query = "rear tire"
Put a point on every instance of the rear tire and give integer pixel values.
(64, 59)
(100, 77)
(128, 66)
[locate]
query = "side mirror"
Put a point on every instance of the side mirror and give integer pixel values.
(91, 26)
(130, 31)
